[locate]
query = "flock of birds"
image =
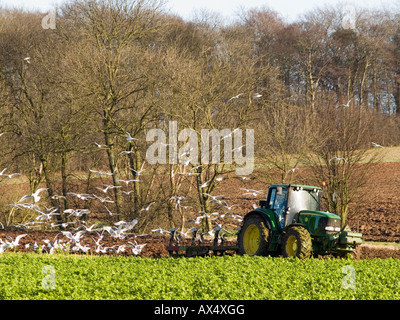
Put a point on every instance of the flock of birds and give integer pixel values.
(73, 241)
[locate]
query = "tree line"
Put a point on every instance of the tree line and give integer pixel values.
(77, 100)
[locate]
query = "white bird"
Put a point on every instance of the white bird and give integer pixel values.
(251, 192)
(35, 196)
(64, 224)
(82, 196)
(211, 233)
(79, 247)
(121, 248)
(128, 225)
(347, 104)
(47, 216)
(257, 95)
(127, 152)
(27, 59)
(76, 212)
(108, 210)
(128, 181)
(337, 159)
(147, 208)
(229, 134)
(178, 200)
(237, 217)
(117, 232)
(106, 199)
(90, 228)
(189, 174)
(205, 214)
(119, 223)
(129, 138)
(3, 247)
(186, 153)
(205, 184)
(57, 197)
(100, 173)
(224, 214)
(138, 173)
(2, 174)
(160, 230)
(197, 220)
(100, 249)
(136, 248)
(15, 242)
(35, 246)
(213, 198)
(196, 167)
(54, 245)
(74, 237)
(100, 146)
(230, 207)
(375, 145)
(290, 171)
(107, 187)
(235, 97)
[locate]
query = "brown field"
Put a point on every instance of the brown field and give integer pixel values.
(376, 215)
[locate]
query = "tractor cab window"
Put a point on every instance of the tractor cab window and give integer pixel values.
(301, 199)
(277, 203)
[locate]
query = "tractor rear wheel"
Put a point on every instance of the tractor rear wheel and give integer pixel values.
(253, 237)
(297, 243)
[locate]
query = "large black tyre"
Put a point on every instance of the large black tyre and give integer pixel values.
(297, 242)
(253, 238)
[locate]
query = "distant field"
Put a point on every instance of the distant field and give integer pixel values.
(390, 154)
(71, 277)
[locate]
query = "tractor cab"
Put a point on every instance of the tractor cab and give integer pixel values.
(286, 201)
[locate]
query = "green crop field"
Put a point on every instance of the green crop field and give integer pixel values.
(73, 277)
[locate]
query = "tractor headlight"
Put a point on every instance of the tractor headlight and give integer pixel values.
(332, 228)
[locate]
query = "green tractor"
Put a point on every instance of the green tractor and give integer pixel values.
(289, 222)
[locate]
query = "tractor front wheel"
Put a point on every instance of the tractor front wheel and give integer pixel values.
(297, 243)
(253, 237)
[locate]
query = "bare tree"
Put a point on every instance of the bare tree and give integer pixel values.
(340, 154)
(112, 67)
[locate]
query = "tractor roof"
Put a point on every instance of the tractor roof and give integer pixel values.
(294, 185)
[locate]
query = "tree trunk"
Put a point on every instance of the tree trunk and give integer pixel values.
(49, 187)
(113, 167)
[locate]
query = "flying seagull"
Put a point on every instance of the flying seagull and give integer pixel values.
(347, 104)
(375, 145)
(129, 137)
(2, 174)
(235, 97)
(337, 159)
(35, 196)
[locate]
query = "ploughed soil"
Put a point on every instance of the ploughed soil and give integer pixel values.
(376, 214)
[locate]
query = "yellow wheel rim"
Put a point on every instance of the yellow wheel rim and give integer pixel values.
(251, 240)
(291, 246)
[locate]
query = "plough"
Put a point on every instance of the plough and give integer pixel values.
(196, 247)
